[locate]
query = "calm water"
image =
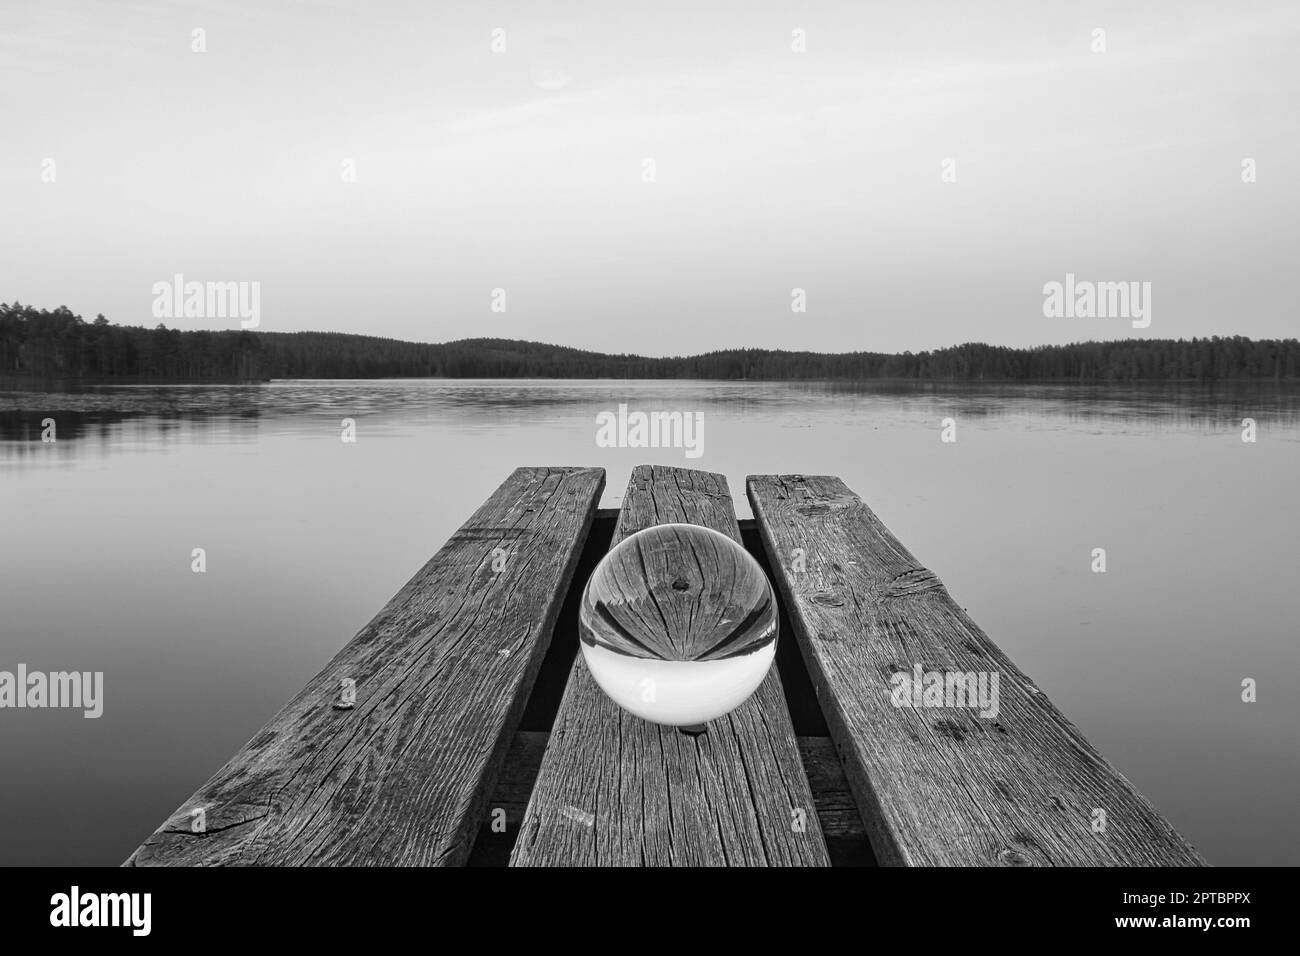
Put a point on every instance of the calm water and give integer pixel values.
(306, 537)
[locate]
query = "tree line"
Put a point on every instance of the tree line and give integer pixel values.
(57, 344)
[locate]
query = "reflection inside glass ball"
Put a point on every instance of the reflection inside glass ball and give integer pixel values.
(678, 624)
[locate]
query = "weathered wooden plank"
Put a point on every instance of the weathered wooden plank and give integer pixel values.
(442, 676)
(938, 784)
(837, 811)
(617, 790)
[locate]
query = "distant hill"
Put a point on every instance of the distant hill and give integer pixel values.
(60, 345)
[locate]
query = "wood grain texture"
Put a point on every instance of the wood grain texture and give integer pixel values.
(709, 602)
(938, 785)
(615, 790)
(442, 676)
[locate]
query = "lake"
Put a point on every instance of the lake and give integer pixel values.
(307, 536)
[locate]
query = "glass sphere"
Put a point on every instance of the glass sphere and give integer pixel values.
(678, 624)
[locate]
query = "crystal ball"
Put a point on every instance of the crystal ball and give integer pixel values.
(678, 624)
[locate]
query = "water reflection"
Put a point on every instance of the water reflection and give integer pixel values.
(230, 412)
(306, 537)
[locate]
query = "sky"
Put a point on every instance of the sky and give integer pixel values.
(793, 146)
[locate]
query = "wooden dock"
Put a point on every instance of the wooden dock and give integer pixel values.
(461, 727)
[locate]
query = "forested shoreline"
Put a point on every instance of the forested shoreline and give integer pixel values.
(38, 344)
